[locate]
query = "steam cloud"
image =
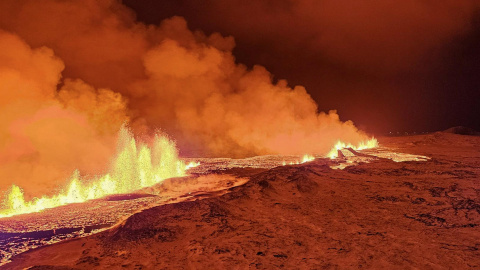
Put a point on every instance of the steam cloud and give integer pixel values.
(72, 72)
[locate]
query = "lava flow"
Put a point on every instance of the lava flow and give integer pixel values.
(372, 143)
(135, 166)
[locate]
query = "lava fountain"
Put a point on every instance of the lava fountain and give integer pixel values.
(136, 165)
(372, 143)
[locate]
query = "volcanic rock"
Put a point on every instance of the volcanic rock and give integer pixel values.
(381, 215)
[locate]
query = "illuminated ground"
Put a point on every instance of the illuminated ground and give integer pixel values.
(359, 211)
(24, 232)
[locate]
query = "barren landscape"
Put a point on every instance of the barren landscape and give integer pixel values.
(378, 214)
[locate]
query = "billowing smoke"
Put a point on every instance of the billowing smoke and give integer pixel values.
(72, 72)
(47, 130)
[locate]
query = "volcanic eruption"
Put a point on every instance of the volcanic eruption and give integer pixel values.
(142, 144)
(132, 169)
(64, 101)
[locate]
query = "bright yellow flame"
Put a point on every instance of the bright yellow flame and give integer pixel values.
(307, 158)
(372, 143)
(134, 167)
(192, 164)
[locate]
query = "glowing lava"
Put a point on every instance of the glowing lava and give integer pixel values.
(372, 143)
(135, 166)
(192, 165)
(307, 158)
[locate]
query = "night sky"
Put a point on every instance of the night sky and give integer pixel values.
(390, 66)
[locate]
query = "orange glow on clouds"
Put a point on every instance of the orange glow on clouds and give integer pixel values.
(67, 85)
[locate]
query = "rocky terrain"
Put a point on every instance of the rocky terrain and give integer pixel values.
(376, 215)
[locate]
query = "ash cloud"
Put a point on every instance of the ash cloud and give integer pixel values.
(73, 71)
(385, 64)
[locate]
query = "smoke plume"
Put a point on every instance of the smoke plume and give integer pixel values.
(72, 72)
(46, 132)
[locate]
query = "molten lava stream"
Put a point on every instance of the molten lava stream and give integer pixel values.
(135, 166)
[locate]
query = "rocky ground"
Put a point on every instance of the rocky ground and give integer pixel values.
(381, 215)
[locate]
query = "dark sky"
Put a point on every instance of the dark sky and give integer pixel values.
(387, 65)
